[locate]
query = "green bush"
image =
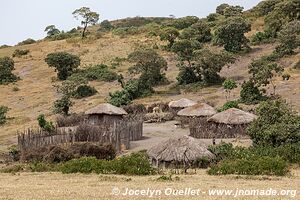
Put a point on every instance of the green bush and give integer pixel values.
(20, 52)
(228, 105)
(85, 91)
(254, 166)
(28, 41)
(134, 164)
(250, 94)
(99, 72)
(6, 67)
(260, 38)
(276, 124)
(3, 111)
(44, 124)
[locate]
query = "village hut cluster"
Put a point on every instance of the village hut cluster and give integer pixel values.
(204, 121)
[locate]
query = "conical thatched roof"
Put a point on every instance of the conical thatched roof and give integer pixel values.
(107, 109)
(182, 103)
(233, 116)
(198, 110)
(181, 149)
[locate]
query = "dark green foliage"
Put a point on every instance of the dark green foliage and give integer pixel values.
(229, 85)
(6, 67)
(106, 26)
(62, 105)
(3, 111)
(150, 65)
(221, 8)
(233, 11)
(285, 11)
(228, 105)
(254, 166)
(199, 31)
(187, 75)
(276, 124)
(265, 7)
(99, 72)
(289, 38)
(28, 41)
(184, 22)
(44, 124)
(134, 164)
(20, 52)
(64, 63)
(250, 94)
(169, 34)
(231, 34)
(85, 91)
(261, 38)
(185, 49)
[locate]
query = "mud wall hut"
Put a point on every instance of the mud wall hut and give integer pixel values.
(196, 116)
(230, 123)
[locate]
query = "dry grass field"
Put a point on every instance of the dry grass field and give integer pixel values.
(52, 186)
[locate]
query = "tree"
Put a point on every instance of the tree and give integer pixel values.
(62, 105)
(51, 30)
(64, 63)
(106, 25)
(263, 73)
(276, 124)
(150, 65)
(185, 49)
(220, 9)
(289, 38)
(6, 68)
(169, 34)
(199, 31)
(184, 22)
(229, 85)
(88, 17)
(250, 93)
(3, 111)
(208, 65)
(231, 34)
(233, 11)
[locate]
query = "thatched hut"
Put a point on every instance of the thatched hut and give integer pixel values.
(105, 114)
(230, 123)
(180, 104)
(196, 116)
(179, 152)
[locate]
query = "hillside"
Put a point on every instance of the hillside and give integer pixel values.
(35, 94)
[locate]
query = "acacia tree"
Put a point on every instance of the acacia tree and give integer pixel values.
(88, 17)
(51, 30)
(231, 34)
(199, 31)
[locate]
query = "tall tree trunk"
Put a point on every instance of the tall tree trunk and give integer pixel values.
(84, 29)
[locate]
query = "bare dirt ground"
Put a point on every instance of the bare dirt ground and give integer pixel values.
(54, 186)
(155, 133)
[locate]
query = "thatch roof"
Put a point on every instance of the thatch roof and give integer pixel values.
(198, 110)
(107, 109)
(233, 116)
(181, 149)
(182, 103)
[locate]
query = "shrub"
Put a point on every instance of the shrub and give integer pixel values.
(62, 105)
(250, 94)
(99, 72)
(3, 111)
(134, 164)
(4, 46)
(260, 38)
(254, 166)
(44, 124)
(6, 68)
(105, 26)
(63, 62)
(228, 105)
(19, 53)
(85, 91)
(28, 41)
(276, 124)
(14, 152)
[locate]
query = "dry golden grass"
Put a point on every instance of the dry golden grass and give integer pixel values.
(52, 186)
